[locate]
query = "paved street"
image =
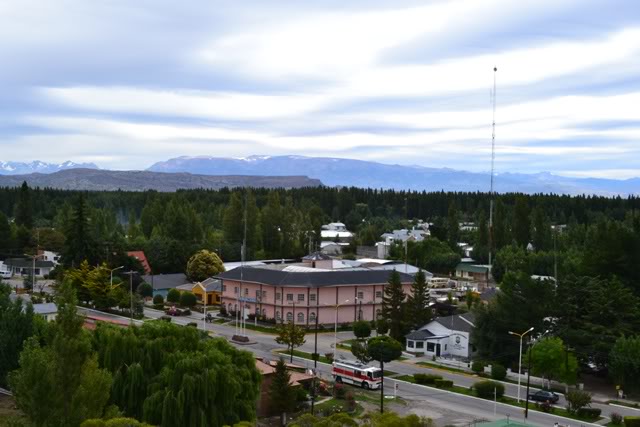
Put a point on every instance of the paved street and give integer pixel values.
(435, 401)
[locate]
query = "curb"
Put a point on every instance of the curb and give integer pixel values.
(622, 406)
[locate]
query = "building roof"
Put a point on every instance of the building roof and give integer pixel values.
(140, 256)
(315, 279)
(316, 256)
(166, 281)
(421, 334)
(231, 265)
(401, 267)
(28, 263)
(472, 268)
(45, 308)
(458, 322)
(335, 233)
(212, 285)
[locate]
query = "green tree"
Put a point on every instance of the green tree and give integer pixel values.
(418, 311)
(521, 223)
(6, 239)
(80, 243)
(384, 349)
(541, 230)
(624, 363)
(173, 296)
(203, 265)
(24, 207)
(393, 306)
(360, 350)
(281, 394)
(145, 290)
(271, 226)
(361, 329)
(391, 419)
(510, 258)
(290, 335)
(577, 399)
(188, 299)
(481, 245)
(114, 422)
(453, 225)
(550, 360)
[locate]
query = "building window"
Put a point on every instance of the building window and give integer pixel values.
(246, 292)
(312, 297)
(378, 294)
(289, 297)
(230, 307)
(277, 315)
(300, 297)
(224, 288)
(378, 313)
(445, 347)
(312, 317)
(419, 344)
(360, 295)
(359, 314)
(410, 344)
(431, 347)
(289, 316)
(235, 290)
(300, 317)
(264, 294)
(277, 296)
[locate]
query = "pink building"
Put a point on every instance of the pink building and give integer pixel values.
(301, 295)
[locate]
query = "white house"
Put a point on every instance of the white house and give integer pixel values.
(54, 257)
(24, 266)
(332, 248)
(336, 231)
(47, 310)
(445, 336)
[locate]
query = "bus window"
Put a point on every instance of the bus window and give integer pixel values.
(377, 374)
(370, 375)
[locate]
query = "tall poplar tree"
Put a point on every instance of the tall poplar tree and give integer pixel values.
(521, 223)
(418, 311)
(24, 207)
(393, 306)
(80, 243)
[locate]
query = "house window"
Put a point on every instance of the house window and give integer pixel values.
(257, 295)
(278, 296)
(289, 297)
(246, 292)
(431, 347)
(378, 294)
(264, 294)
(300, 297)
(419, 344)
(312, 297)
(312, 317)
(360, 295)
(224, 288)
(235, 290)
(300, 317)
(410, 344)
(277, 315)
(289, 316)
(445, 347)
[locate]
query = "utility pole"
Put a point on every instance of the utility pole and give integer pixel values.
(242, 259)
(493, 158)
(130, 273)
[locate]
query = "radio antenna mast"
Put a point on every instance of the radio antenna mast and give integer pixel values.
(493, 159)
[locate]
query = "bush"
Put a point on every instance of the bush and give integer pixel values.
(443, 383)
(145, 290)
(486, 389)
(544, 407)
(498, 372)
(382, 326)
(338, 391)
(591, 413)
(301, 394)
(329, 357)
(632, 421)
(193, 324)
(158, 306)
(425, 379)
(188, 299)
(158, 300)
(616, 418)
(351, 402)
(477, 367)
(173, 296)
(362, 329)
(576, 400)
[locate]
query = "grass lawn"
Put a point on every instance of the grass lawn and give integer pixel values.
(334, 405)
(444, 368)
(220, 321)
(304, 355)
(389, 373)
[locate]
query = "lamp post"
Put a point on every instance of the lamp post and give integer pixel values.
(520, 359)
(335, 336)
(111, 276)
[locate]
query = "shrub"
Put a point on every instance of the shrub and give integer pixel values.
(477, 367)
(351, 402)
(329, 357)
(362, 329)
(382, 326)
(173, 296)
(192, 324)
(158, 306)
(545, 407)
(498, 372)
(426, 378)
(338, 391)
(443, 383)
(576, 400)
(315, 356)
(486, 389)
(301, 394)
(616, 418)
(590, 413)
(632, 421)
(145, 290)
(188, 299)
(158, 300)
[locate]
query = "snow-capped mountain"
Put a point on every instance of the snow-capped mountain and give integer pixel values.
(37, 166)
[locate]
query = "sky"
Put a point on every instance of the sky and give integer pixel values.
(125, 84)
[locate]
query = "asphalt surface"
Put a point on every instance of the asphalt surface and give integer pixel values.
(470, 408)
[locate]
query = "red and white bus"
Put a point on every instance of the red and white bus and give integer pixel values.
(357, 374)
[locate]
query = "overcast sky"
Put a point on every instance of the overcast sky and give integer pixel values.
(127, 83)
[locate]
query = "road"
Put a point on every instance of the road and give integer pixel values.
(470, 408)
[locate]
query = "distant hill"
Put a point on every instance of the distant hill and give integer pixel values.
(20, 168)
(104, 180)
(358, 173)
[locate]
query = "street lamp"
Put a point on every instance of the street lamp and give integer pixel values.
(335, 337)
(520, 362)
(111, 275)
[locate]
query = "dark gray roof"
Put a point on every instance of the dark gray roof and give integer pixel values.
(472, 268)
(312, 279)
(317, 256)
(421, 334)
(166, 281)
(45, 308)
(212, 285)
(456, 323)
(28, 263)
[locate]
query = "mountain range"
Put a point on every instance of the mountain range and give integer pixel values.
(297, 171)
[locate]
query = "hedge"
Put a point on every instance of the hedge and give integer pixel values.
(632, 421)
(443, 383)
(498, 372)
(477, 367)
(485, 389)
(589, 412)
(426, 378)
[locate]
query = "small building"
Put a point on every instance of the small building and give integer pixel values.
(444, 336)
(336, 232)
(48, 311)
(332, 248)
(297, 379)
(54, 257)
(475, 272)
(162, 283)
(212, 288)
(24, 266)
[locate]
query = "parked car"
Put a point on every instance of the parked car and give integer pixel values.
(175, 311)
(544, 396)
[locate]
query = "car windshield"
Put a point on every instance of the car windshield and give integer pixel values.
(377, 374)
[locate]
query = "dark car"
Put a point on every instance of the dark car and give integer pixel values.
(544, 396)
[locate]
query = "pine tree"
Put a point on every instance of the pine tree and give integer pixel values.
(521, 224)
(541, 230)
(80, 243)
(453, 225)
(281, 394)
(24, 208)
(418, 311)
(271, 226)
(501, 231)
(393, 306)
(5, 233)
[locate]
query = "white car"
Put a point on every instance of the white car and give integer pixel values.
(5, 274)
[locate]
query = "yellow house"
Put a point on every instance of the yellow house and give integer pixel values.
(212, 288)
